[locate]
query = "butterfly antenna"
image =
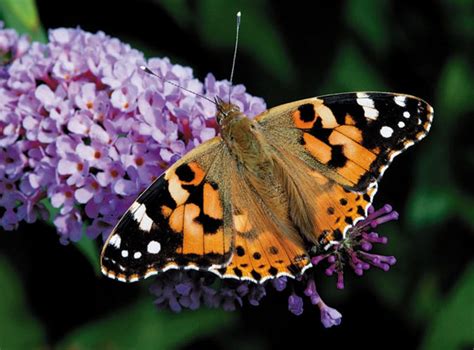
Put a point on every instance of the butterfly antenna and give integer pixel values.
(149, 71)
(237, 29)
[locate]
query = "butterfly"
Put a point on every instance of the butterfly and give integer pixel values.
(252, 203)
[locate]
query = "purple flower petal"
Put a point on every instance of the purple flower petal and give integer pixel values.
(295, 304)
(329, 316)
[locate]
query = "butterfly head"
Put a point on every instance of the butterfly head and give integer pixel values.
(226, 111)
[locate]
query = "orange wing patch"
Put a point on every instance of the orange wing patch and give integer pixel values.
(198, 215)
(337, 209)
(259, 256)
(193, 231)
(337, 146)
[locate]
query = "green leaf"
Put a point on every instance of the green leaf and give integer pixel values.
(453, 326)
(19, 329)
(141, 326)
(22, 16)
(368, 18)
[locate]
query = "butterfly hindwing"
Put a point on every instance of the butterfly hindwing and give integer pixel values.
(263, 254)
(178, 222)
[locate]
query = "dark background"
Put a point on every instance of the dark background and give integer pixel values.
(288, 51)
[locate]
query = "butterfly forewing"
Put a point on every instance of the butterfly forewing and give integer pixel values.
(178, 222)
(350, 137)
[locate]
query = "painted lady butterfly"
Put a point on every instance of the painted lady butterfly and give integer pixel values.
(252, 203)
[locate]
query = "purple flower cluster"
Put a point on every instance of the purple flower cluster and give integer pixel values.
(176, 290)
(83, 126)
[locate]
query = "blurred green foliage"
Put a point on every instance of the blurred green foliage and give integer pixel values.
(437, 197)
(257, 28)
(140, 326)
(453, 326)
(22, 16)
(19, 329)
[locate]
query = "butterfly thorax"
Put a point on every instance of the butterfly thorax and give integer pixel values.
(244, 139)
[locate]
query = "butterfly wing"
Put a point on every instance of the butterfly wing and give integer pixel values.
(337, 147)
(266, 244)
(350, 137)
(181, 221)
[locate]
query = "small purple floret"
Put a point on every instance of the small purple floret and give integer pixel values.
(295, 304)
(329, 316)
(280, 283)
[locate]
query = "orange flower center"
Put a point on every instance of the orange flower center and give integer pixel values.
(139, 161)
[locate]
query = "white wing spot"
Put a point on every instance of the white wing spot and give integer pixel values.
(400, 100)
(371, 113)
(401, 125)
(137, 255)
(153, 247)
(115, 241)
(146, 223)
(139, 215)
(386, 131)
(365, 101)
(124, 253)
(406, 114)
(367, 105)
